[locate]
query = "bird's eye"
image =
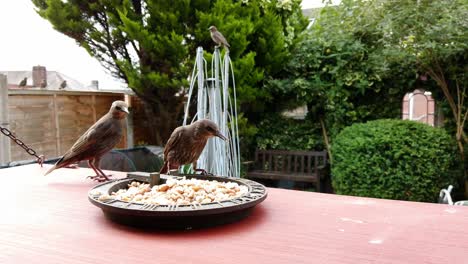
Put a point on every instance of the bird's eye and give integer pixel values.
(118, 108)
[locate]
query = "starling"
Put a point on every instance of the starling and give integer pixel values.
(96, 141)
(23, 82)
(63, 85)
(187, 143)
(218, 38)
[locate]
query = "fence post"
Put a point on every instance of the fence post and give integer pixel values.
(57, 126)
(5, 155)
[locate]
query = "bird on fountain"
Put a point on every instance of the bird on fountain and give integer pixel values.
(218, 38)
(186, 144)
(99, 139)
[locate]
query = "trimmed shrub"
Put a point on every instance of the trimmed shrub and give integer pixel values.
(394, 159)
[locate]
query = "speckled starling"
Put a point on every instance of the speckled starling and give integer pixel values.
(187, 143)
(218, 38)
(99, 139)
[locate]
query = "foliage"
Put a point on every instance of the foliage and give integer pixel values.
(343, 73)
(277, 132)
(359, 59)
(150, 44)
(394, 159)
(433, 34)
(246, 136)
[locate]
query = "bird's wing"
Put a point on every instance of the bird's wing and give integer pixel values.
(173, 140)
(87, 142)
(222, 39)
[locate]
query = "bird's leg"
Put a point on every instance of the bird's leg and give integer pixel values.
(100, 176)
(203, 172)
(105, 177)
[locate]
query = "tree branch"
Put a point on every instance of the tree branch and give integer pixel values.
(137, 51)
(107, 42)
(325, 139)
(443, 85)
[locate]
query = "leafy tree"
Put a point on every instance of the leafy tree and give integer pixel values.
(150, 44)
(431, 37)
(343, 73)
(360, 58)
(433, 34)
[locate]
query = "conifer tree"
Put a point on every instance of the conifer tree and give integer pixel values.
(150, 45)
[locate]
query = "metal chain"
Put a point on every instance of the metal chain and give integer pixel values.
(30, 151)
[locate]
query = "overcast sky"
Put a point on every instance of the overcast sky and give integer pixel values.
(27, 40)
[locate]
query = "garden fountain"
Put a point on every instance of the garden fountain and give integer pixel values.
(215, 103)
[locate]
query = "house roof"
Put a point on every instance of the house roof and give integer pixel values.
(54, 79)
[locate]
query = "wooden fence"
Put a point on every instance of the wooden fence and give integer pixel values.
(51, 121)
(4, 141)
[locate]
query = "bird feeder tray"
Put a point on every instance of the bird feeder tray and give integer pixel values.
(164, 217)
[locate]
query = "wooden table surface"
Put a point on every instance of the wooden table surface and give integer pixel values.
(50, 220)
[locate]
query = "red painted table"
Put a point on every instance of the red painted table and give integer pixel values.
(49, 220)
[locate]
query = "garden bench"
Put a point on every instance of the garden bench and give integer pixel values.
(300, 166)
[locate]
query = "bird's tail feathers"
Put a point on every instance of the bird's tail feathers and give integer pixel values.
(50, 170)
(56, 166)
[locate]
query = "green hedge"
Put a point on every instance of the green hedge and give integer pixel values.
(394, 159)
(277, 132)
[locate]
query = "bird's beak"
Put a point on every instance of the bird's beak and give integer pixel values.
(218, 134)
(125, 109)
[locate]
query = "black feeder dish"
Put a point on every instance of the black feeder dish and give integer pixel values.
(175, 217)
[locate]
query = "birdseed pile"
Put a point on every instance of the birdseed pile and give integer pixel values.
(178, 192)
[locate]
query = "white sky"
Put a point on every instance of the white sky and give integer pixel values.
(27, 39)
(316, 3)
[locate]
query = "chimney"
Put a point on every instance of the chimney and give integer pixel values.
(39, 73)
(95, 84)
